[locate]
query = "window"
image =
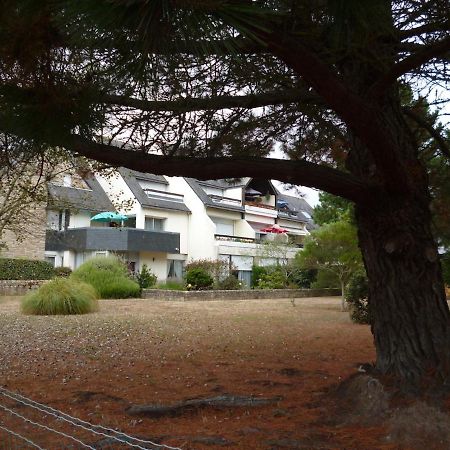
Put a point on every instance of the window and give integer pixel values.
(52, 220)
(175, 269)
(131, 222)
(154, 224)
(51, 260)
(224, 227)
(67, 180)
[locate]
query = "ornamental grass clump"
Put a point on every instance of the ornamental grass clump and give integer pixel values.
(109, 277)
(61, 296)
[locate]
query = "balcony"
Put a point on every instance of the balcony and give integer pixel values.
(236, 245)
(113, 239)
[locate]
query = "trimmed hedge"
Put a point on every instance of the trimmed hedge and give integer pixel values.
(25, 269)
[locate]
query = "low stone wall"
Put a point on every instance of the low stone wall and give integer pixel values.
(19, 287)
(253, 294)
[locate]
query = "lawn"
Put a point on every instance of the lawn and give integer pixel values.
(135, 352)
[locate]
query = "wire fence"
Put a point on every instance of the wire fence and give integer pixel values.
(27, 424)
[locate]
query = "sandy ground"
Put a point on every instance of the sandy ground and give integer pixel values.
(143, 352)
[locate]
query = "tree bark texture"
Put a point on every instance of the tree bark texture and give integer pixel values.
(410, 313)
(411, 319)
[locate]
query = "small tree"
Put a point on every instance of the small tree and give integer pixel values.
(332, 248)
(146, 278)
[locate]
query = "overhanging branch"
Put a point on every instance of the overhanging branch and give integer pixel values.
(215, 103)
(294, 172)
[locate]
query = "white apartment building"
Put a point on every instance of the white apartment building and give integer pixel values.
(173, 220)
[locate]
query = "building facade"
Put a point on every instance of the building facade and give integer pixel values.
(173, 220)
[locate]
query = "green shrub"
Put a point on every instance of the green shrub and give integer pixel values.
(445, 262)
(109, 277)
(257, 274)
(275, 279)
(61, 296)
(25, 269)
(172, 286)
(302, 278)
(229, 284)
(198, 279)
(63, 271)
(218, 269)
(146, 278)
(326, 279)
(357, 294)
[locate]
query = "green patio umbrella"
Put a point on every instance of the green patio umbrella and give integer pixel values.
(109, 216)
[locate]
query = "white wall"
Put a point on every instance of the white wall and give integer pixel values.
(243, 229)
(175, 221)
(156, 262)
(201, 243)
(119, 193)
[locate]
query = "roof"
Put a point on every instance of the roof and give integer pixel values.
(223, 183)
(92, 199)
(295, 207)
(196, 186)
(131, 178)
(149, 177)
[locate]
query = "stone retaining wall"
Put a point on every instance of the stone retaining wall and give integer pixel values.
(19, 287)
(253, 294)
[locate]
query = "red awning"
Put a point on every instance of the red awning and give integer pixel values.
(274, 229)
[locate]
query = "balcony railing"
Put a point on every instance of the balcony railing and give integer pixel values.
(163, 195)
(259, 205)
(288, 213)
(114, 239)
(225, 200)
(225, 237)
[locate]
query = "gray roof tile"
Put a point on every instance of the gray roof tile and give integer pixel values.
(92, 199)
(131, 179)
(196, 186)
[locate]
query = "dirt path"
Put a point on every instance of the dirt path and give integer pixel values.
(144, 352)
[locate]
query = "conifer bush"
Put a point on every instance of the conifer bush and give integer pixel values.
(61, 296)
(146, 278)
(356, 295)
(109, 277)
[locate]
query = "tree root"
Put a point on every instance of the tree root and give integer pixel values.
(221, 401)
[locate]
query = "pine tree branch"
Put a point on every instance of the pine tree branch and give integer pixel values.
(215, 103)
(294, 172)
(440, 140)
(362, 118)
(414, 61)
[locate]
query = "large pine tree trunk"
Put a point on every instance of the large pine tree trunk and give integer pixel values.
(411, 319)
(410, 313)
